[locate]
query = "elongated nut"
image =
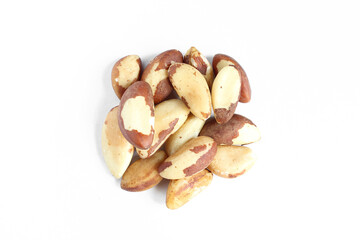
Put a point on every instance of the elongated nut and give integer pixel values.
(116, 149)
(189, 130)
(136, 115)
(199, 61)
(156, 73)
(170, 115)
(222, 60)
(191, 158)
(225, 93)
(181, 191)
(191, 86)
(125, 72)
(143, 174)
(239, 130)
(232, 161)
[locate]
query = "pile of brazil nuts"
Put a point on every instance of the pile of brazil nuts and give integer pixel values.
(175, 138)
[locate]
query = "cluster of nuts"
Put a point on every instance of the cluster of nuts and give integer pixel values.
(194, 149)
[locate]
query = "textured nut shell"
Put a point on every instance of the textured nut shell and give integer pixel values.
(170, 115)
(143, 174)
(191, 158)
(191, 86)
(189, 130)
(116, 149)
(239, 130)
(222, 60)
(225, 93)
(125, 72)
(156, 73)
(199, 61)
(232, 161)
(183, 190)
(136, 115)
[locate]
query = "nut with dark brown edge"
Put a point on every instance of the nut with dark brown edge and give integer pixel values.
(192, 88)
(239, 130)
(136, 115)
(199, 61)
(183, 190)
(225, 93)
(232, 161)
(222, 60)
(156, 73)
(143, 173)
(194, 156)
(125, 72)
(117, 151)
(170, 115)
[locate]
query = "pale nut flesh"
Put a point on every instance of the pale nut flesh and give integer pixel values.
(143, 174)
(239, 130)
(190, 129)
(117, 151)
(181, 191)
(199, 61)
(194, 156)
(225, 93)
(232, 161)
(192, 88)
(156, 73)
(220, 61)
(170, 115)
(136, 115)
(125, 72)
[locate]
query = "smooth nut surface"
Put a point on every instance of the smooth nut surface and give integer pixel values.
(170, 115)
(199, 61)
(192, 88)
(183, 190)
(156, 73)
(239, 130)
(125, 72)
(116, 149)
(136, 115)
(222, 60)
(194, 156)
(143, 174)
(190, 129)
(225, 93)
(232, 161)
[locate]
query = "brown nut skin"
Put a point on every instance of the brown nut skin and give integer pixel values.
(192, 88)
(225, 93)
(136, 115)
(117, 151)
(239, 130)
(199, 61)
(222, 60)
(156, 73)
(143, 174)
(170, 115)
(194, 156)
(125, 72)
(232, 161)
(181, 191)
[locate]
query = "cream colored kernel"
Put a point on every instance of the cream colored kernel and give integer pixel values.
(154, 77)
(166, 112)
(247, 134)
(117, 151)
(189, 130)
(136, 115)
(226, 88)
(128, 71)
(223, 63)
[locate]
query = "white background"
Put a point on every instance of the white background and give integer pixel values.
(302, 59)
